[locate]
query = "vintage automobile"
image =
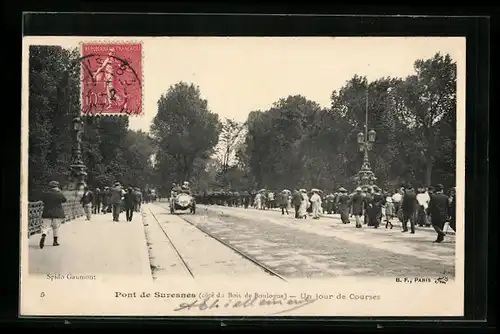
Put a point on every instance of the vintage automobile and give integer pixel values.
(182, 201)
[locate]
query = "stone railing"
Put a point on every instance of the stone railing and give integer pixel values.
(73, 209)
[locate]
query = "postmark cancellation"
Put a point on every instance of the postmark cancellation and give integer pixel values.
(112, 78)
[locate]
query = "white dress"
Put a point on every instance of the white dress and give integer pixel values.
(316, 205)
(304, 205)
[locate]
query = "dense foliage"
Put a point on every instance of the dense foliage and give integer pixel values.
(295, 142)
(298, 143)
(110, 150)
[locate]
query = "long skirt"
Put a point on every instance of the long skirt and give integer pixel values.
(303, 208)
(374, 216)
(389, 210)
(344, 213)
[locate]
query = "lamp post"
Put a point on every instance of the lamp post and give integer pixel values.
(78, 167)
(365, 176)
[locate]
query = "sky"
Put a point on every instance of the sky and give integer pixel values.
(237, 75)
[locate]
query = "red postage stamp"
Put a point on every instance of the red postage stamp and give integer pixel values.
(111, 79)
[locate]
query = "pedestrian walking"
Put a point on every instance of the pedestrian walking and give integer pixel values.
(423, 199)
(439, 210)
(86, 202)
(304, 205)
(389, 211)
(409, 205)
(315, 203)
(376, 202)
(367, 192)
(297, 199)
(138, 199)
(130, 201)
(97, 199)
(357, 204)
(116, 200)
(330, 202)
(397, 197)
(53, 212)
(283, 202)
(106, 200)
(344, 205)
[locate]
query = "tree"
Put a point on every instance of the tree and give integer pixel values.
(184, 129)
(430, 96)
(109, 150)
(139, 149)
(230, 137)
(53, 101)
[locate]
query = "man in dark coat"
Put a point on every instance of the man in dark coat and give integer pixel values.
(343, 205)
(86, 201)
(439, 209)
(296, 201)
(376, 202)
(367, 192)
(409, 205)
(130, 202)
(357, 203)
(97, 199)
(330, 203)
(53, 212)
(116, 200)
(138, 199)
(283, 202)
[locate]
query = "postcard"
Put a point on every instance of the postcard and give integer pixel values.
(242, 176)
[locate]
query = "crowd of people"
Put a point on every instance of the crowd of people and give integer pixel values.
(114, 199)
(369, 205)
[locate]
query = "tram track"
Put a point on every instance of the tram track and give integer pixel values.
(235, 250)
(172, 245)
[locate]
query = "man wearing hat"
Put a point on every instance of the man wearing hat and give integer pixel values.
(439, 209)
(53, 212)
(357, 202)
(138, 199)
(86, 201)
(297, 199)
(343, 205)
(116, 200)
(409, 205)
(96, 201)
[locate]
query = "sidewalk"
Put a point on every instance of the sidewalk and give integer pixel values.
(99, 246)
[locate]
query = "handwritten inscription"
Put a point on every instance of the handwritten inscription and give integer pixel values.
(279, 303)
(211, 303)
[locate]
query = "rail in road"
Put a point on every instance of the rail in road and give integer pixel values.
(180, 248)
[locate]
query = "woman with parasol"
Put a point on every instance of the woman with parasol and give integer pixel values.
(304, 205)
(283, 201)
(315, 203)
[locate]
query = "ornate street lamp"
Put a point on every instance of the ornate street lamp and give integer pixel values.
(78, 167)
(365, 176)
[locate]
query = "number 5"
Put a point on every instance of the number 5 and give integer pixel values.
(42, 294)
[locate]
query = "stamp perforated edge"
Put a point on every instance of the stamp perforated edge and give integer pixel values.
(93, 41)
